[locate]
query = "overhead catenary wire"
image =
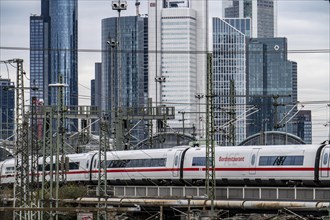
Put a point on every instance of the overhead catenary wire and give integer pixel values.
(95, 50)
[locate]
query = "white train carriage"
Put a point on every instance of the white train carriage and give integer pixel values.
(75, 167)
(159, 166)
(254, 165)
(7, 172)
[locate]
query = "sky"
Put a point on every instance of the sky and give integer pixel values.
(305, 23)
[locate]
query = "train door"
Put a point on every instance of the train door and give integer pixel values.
(176, 163)
(325, 162)
(253, 161)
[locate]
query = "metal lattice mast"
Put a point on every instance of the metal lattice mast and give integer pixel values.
(119, 5)
(21, 191)
(35, 150)
(60, 132)
(210, 148)
(232, 114)
(102, 172)
(47, 164)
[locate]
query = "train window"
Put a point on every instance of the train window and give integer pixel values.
(281, 160)
(325, 158)
(87, 164)
(253, 159)
(176, 160)
(155, 162)
(94, 163)
(74, 166)
(159, 162)
(118, 163)
(199, 161)
(9, 170)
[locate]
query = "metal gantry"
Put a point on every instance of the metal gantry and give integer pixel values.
(210, 147)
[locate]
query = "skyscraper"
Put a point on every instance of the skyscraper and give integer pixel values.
(229, 78)
(263, 15)
(177, 59)
(7, 109)
(304, 124)
(54, 44)
(132, 49)
(37, 57)
(272, 85)
(96, 93)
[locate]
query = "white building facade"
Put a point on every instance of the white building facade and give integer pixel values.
(177, 60)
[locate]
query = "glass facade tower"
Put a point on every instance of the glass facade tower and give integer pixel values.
(7, 109)
(304, 125)
(37, 55)
(63, 49)
(229, 79)
(54, 44)
(272, 85)
(133, 53)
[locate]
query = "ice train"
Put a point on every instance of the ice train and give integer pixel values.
(305, 165)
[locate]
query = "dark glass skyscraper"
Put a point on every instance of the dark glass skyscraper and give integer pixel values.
(54, 43)
(96, 94)
(134, 59)
(272, 85)
(63, 48)
(37, 57)
(7, 109)
(304, 125)
(133, 53)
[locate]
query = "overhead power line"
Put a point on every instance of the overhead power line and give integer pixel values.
(321, 50)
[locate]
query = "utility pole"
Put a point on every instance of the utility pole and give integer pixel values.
(52, 163)
(102, 172)
(119, 6)
(113, 44)
(47, 183)
(22, 187)
(210, 183)
(232, 114)
(21, 191)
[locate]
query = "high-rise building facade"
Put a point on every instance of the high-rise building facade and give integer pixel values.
(63, 49)
(54, 55)
(272, 85)
(7, 109)
(96, 84)
(37, 56)
(304, 125)
(132, 50)
(229, 79)
(177, 60)
(263, 15)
